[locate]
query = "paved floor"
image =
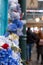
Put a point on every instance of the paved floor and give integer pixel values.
(34, 56)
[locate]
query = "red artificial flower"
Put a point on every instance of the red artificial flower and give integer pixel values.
(5, 46)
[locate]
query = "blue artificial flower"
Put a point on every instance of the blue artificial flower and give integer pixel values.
(7, 34)
(12, 28)
(18, 23)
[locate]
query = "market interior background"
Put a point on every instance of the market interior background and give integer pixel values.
(15, 17)
(34, 13)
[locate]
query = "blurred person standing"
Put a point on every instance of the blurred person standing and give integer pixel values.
(41, 50)
(30, 41)
(39, 47)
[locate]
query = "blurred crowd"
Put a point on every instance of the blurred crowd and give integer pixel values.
(34, 38)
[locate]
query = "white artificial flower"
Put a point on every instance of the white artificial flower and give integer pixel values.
(15, 1)
(13, 7)
(15, 15)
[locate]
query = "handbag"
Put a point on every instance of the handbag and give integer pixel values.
(41, 42)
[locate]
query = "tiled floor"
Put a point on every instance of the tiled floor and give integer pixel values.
(34, 56)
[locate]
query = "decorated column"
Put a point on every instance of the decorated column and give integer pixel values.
(3, 16)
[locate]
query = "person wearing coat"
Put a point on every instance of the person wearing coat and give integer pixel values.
(37, 47)
(30, 41)
(40, 47)
(41, 50)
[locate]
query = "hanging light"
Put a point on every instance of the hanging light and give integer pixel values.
(26, 28)
(31, 29)
(36, 29)
(41, 29)
(37, 19)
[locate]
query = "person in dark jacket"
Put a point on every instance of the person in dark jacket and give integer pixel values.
(30, 42)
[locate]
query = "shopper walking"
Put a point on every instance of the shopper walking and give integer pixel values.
(30, 42)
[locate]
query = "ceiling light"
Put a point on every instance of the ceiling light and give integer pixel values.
(36, 29)
(31, 29)
(37, 19)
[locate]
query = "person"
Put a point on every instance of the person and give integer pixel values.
(40, 47)
(37, 47)
(41, 50)
(30, 40)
